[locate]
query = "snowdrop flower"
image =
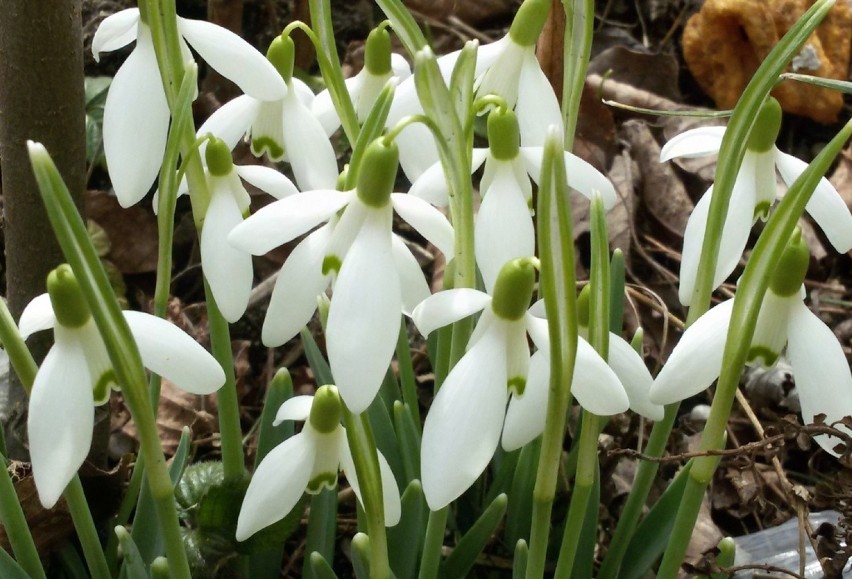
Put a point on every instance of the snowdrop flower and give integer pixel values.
(504, 226)
(754, 193)
(308, 461)
(227, 269)
(377, 276)
(592, 384)
(464, 424)
(822, 374)
(380, 65)
(76, 375)
(282, 128)
(136, 113)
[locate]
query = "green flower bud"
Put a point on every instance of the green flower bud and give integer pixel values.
(377, 53)
(69, 304)
(764, 133)
(326, 410)
(218, 157)
(282, 55)
(529, 21)
(513, 289)
(503, 134)
(377, 175)
(583, 306)
(790, 272)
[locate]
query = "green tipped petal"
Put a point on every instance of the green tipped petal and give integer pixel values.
(377, 175)
(377, 54)
(503, 134)
(69, 304)
(765, 131)
(529, 21)
(282, 54)
(790, 273)
(218, 157)
(326, 410)
(513, 289)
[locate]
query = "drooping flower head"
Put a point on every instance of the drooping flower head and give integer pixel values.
(821, 372)
(77, 374)
(308, 462)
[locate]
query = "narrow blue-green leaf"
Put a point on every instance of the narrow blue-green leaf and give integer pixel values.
(361, 556)
(134, 567)
(504, 467)
(653, 533)
(322, 527)
(317, 362)
(616, 292)
(463, 557)
(15, 523)
(181, 456)
(9, 568)
(519, 560)
(584, 562)
(385, 438)
(318, 567)
(408, 435)
(160, 568)
(279, 390)
(461, 84)
(407, 378)
(830, 83)
(405, 539)
(72, 564)
(403, 24)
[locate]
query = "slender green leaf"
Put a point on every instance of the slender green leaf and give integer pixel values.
(318, 567)
(322, 527)
(9, 568)
(134, 566)
(519, 560)
(463, 557)
(408, 435)
(405, 539)
(279, 390)
(361, 555)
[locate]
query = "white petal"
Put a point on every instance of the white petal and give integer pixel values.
(504, 229)
(432, 186)
(136, 123)
(697, 359)
(537, 107)
(60, 421)
(400, 67)
(526, 414)
(232, 120)
(295, 408)
(412, 282)
(595, 385)
(463, 425)
(268, 180)
(428, 221)
(825, 206)
(537, 327)
(517, 354)
(283, 220)
(581, 175)
(277, 485)
(115, 31)
(390, 492)
(698, 142)
(448, 306)
(366, 297)
(634, 376)
(294, 298)
(323, 109)
(821, 372)
(234, 58)
(228, 270)
(170, 352)
(37, 316)
(307, 147)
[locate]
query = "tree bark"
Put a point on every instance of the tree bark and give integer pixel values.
(42, 99)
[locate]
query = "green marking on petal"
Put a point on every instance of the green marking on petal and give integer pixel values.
(326, 410)
(101, 389)
(765, 131)
(529, 21)
(761, 210)
(262, 145)
(377, 174)
(517, 385)
(327, 480)
(766, 356)
(513, 289)
(331, 263)
(69, 304)
(503, 134)
(377, 54)
(791, 270)
(218, 157)
(282, 55)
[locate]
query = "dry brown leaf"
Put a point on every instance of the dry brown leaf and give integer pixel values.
(841, 178)
(655, 73)
(132, 232)
(468, 12)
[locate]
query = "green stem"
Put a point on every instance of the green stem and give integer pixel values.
(406, 374)
(15, 525)
(86, 532)
(432, 543)
(577, 47)
(366, 459)
(684, 523)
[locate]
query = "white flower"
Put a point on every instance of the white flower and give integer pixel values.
(504, 226)
(754, 193)
(227, 269)
(76, 375)
(283, 128)
(822, 374)
(136, 114)
(308, 461)
(378, 278)
(465, 421)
